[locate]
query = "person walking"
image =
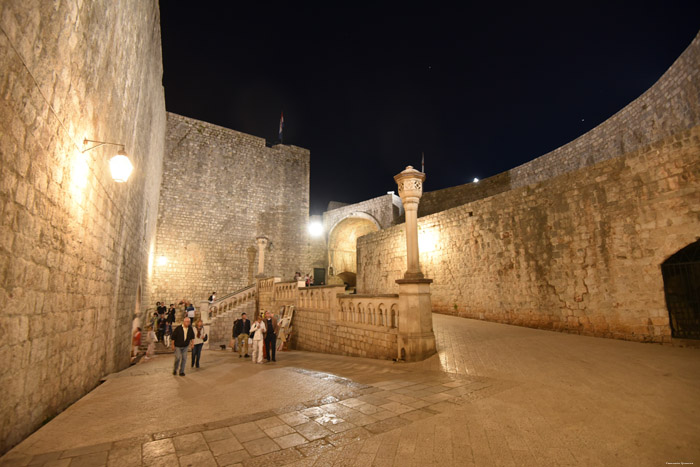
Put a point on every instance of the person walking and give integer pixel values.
(258, 332)
(200, 337)
(190, 310)
(182, 338)
(271, 336)
(151, 339)
(241, 332)
(162, 325)
(135, 343)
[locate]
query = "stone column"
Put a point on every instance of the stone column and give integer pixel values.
(262, 243)
(410, 183)
(415, 337)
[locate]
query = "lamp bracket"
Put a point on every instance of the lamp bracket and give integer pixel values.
(98, 144)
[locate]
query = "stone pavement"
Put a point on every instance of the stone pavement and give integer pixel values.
(494, 395)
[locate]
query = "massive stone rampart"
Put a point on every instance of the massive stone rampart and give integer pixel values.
(580, 252)
(73, 243)
(671, 105)
(221, 189)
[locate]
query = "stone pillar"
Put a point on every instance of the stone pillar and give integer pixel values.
(415, 334)
(262, 243)
(410, 183)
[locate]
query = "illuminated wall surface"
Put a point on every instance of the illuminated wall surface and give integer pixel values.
(580, 252)
(74, 244)
(221, 189)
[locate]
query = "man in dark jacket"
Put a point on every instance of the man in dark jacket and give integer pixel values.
(271, 336)
(241, 331)
(182, 337)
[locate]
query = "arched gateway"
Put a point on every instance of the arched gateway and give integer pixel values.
(342, 244)
(681, 273)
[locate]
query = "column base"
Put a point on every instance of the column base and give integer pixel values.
(416, 347)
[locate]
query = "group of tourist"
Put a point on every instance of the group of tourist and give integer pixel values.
(308, 279)
(159, 327)
(262, 332)
(260, 335)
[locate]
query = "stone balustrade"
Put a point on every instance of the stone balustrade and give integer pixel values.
(378, 312)
(320, 297)
(285, 293)
(226, 303)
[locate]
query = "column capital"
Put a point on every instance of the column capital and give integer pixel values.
(410, 184)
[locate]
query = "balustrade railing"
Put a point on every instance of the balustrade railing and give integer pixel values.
(285, 291)
(227, 302)
(379, 312)
(319, 297)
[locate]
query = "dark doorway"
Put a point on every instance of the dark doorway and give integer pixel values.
(681, 273)
(319, 276)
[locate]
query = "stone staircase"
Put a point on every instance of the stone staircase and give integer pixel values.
(223, 312)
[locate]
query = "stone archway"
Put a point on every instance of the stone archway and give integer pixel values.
(681, 274)
(342, 245)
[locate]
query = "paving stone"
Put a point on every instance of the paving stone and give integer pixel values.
(350, 436)
(246, 432)
(233, 457)
(86, 450)
(130, 455)
(225, 446)
(135, 441)
(291, 440)
(217, 434)
(154, 449)
(198, 459)
(43, 458)
(167, 460)
(261, 446)
(386, 425)
(189, 443)
(314, 448)
(397, 408)
(67, 462)
(294, 418)
(282, 457)
(269, 422)
(312, 431)
(95, 459)
(280, 430)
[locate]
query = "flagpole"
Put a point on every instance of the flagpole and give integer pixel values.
(281, 132)
(422, 162)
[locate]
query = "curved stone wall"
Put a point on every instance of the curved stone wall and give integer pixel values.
(671, 105)
(579, 253)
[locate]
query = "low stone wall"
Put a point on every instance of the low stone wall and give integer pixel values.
(578, 253)
(327, 320)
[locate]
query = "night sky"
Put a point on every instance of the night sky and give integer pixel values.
(479, 88)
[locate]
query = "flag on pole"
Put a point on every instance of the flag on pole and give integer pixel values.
(422, 162)
(281, 125)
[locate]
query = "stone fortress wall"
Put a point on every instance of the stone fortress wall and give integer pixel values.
(74, 245)
(221, 189)
(579, 252)
(670, 106)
